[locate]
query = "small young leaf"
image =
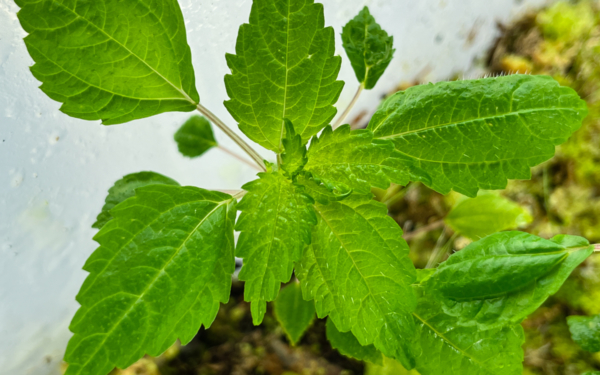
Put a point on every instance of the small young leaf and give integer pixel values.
(478, 217)
(389, 367)
(294, 157)
(284, 67)
(322, 193)
(368, 47)
(163, 266)
(449, 349)
(275, 225)
(195, 137)
(125, 188)
(114, 61)
(586, 331)
(348, 345)
(358, 272)
(355, 159)
(293, 313)
(470, 135)
(504, 277)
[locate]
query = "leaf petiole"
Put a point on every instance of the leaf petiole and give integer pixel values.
(236, 138)
(340, 119)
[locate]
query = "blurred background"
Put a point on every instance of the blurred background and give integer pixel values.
(56, 171)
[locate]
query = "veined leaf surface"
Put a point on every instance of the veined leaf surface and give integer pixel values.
(293, 313)
(294, 157)
(585, 331)
(284, 67)
(449, 349)
(320, 192)
(195, 137)
(110, 60)
(275, 225)
(368, 47)
(163, 266)
(348, 345)
(358, 272)
(504, 277)
(125, 188)
(470, 135)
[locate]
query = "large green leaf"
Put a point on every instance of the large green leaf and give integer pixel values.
(504, 277)
(293, 313)
(125, 188)
(478, 217)
(449, 349)
(275, 225)
(111, 60)
(163, 266)
(355, 159)
(368, 47)
(284, 67)
(470, 135)
(348, 345)
(195, 137)
(358, 272)
(585, 331)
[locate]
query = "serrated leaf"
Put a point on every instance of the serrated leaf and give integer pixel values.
(293, 313)
(348, 345)
(163, 266)
(449, 349)
(111, 60)
(358, 272)
(470, 135)
(195, 137)
(368, 47)
(478, 217)
(320, 192)
(355, 159)
(284, 67)
(585, 331)
(275, 225)
(504, 277)
(125, 188)
(294, 156)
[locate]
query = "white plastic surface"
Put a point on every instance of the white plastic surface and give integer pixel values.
(55, 170)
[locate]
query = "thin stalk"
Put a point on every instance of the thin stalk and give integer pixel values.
(236, 138)
(239, 194)
(243, 160)
(440, 251)
(340, 119)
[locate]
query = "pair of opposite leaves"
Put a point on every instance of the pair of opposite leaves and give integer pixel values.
(454, 135)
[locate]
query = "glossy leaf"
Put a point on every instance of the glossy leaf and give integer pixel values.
(358, 272)
(163, 266)
(275, 225)
(353, 158)
(294, 157)
(478, 217)
(348, 345)
(293, 313)
(368, 47)
(195, 137)
(111, 60)
(320, 192)
(470, 135)
(449, 349)
(506, 276)
(585, 331)
(284, 67)
(125, 188)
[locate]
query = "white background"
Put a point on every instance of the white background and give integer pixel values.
(55, 170)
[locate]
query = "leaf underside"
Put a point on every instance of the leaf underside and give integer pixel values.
(110, 60)
(470, 135)
(163, 266)
(293, 313)
(504, 277)
(348, 345)
(125, 188)
(274, 227)
(284, 67)
(585, 331)
(195, 137)
(358, 272)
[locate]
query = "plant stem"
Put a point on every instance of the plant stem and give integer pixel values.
(440, 251)
(236, 138)
(239, 194)
(426, 228)
(340, 119)
(243, 160)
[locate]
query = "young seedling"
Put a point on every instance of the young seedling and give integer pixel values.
(166, 252)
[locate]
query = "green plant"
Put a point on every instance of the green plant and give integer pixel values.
(166, 252)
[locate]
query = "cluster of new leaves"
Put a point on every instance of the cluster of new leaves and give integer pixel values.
(166, 252)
